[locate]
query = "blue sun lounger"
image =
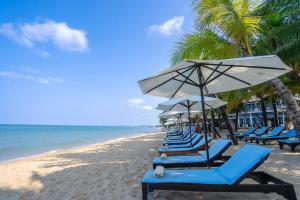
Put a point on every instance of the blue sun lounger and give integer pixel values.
(244, 134)
(226, 178)
(215, 152)
(185, 136)
(185, 140)
(178, 135)
(194, 141)
(200, 145)
(258, 133)
(288, 134)
(291, 143)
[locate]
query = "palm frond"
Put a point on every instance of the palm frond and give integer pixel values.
(203, 45)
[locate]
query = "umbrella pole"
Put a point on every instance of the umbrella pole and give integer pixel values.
(189, 116)
(181, 123)
(204, 116)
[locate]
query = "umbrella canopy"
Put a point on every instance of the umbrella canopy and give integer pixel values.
(168, 114)
(199, 77)
(215, 76)
(191, 102)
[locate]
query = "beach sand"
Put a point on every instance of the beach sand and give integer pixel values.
(114, 170)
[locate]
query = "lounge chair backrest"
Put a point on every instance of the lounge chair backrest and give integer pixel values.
(250, 131)
(201, 142)
(291, 133)
(276, 131)
(218, 148)
(196, 139)
(261, 131)
(242, 162)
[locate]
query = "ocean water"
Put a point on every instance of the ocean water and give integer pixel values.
(17, 141)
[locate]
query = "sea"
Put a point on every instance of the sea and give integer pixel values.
(19, 141)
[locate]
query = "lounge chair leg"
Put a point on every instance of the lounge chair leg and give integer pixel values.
(289, 192)
(293, 148)
(144, 191)
(280, 145)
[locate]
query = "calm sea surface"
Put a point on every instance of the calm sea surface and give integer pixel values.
(18, 141)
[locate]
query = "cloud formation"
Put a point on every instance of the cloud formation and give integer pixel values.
(169, 27)
(41, 80)
(59, 33)
(139, 103)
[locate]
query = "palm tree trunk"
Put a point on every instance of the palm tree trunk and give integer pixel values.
(264, 112)
(228, 125)
(236, 118)
(290, 101)
(275, 113)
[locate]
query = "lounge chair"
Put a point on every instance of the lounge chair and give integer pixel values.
(226, 178)
(185, 140)
(288, 134)
(215, 153)
(185, 136)
(194, 141)
(245, 133)
(188, 150)
(258, 133)
(293, 143)
(179, 135)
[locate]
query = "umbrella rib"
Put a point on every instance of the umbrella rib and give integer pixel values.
(194, 102)
(183, 83)
(172, 107)
(145, 79)
(208, 105)
(229, 65)
(181, 103)
(187, 78)
(213, 72)
(166, 81)
(223, 73)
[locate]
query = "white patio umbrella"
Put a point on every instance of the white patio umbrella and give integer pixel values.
(190, 104)
(199, 77)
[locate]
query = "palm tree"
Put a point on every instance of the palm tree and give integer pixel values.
(227, 29)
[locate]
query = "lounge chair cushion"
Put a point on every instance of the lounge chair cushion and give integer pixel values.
(195, 147)
(276, 131)
(209, 176)
(245, 160)
(214, 151)
(242, 162)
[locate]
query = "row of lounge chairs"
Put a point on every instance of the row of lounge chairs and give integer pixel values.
(262, 135)
(224, 175)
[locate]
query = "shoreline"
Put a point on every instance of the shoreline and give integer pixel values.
(107, 170)
(77, 147)
(114, 170)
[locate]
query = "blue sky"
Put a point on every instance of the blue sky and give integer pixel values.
(78, 62)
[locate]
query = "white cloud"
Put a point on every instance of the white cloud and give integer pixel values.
(136, 101)
(41, 80)
(147, 107)
(42, 53)
(169, 27)
(139, 103)
(59, 33)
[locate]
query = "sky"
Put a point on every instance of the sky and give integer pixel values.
(78, 62)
